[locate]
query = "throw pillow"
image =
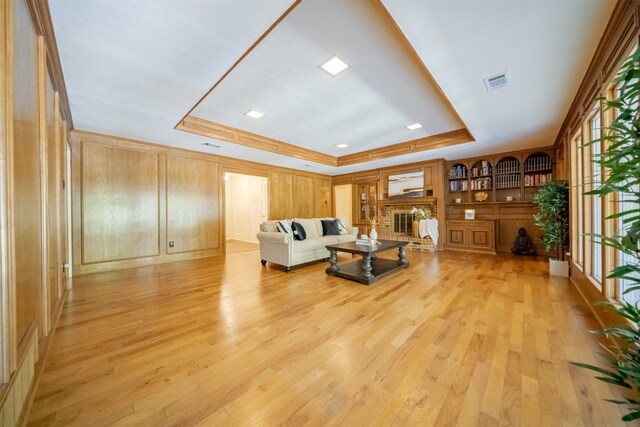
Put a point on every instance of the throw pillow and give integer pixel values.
(342, 224)
(284, 226)
(298, 231)
(330, 227)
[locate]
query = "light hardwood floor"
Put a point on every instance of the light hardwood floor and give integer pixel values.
(456, 339)
(234, 246)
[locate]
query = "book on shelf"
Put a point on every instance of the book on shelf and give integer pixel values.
(458, 172)
(538, 164)
(508, 166)
(537, 179)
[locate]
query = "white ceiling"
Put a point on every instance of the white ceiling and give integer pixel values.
(366, 106)
(134, 68)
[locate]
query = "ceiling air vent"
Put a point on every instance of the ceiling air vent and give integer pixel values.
(496, 82)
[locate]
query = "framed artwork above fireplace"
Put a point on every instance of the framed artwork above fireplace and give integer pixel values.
(406, 185)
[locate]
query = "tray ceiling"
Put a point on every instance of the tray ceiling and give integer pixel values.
(367, 106)
(134, 68)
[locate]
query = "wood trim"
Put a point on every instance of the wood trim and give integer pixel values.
(244, 55)
(41, 17)
(237, 136)
(432, 142)
(222, 132)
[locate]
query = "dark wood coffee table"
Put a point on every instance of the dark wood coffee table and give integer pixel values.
(370, 268)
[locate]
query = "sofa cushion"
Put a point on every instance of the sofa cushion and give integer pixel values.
(298, 231)
(330, 227)
(310, 227)
(284, 226)
(269, 226)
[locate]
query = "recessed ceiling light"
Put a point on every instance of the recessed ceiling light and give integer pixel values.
(342, 145)
(414, 126)
(212, 145)
(254, 114)
(307, 165)
(333, 65)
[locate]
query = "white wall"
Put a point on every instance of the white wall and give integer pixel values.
(343, 199)
(245, 206)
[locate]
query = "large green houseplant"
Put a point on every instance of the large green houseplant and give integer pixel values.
(552, 200)
(621, 161)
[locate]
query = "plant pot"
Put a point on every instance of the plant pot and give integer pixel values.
(415, 229)
(558, 268)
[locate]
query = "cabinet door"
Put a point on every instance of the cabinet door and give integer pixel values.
(372, 199)
(481, 238)
(457, 236)
(361, 202)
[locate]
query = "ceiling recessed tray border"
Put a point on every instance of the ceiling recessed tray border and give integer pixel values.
(210, 129)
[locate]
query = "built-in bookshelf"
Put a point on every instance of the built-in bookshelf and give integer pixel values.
(506, 178)
(458, 181)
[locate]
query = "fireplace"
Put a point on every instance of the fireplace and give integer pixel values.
(396, 223)
(401, 222)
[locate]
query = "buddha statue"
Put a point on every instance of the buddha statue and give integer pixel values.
(522, 245)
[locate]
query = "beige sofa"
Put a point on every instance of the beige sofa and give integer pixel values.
(283, 249)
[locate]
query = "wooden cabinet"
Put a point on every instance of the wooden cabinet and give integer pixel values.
(476, 236)
(365, 205)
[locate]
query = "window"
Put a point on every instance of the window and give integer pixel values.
(625, 203)
(596, 202)
(580, 228)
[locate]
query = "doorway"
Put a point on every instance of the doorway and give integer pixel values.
(246, 207)
(342, 196)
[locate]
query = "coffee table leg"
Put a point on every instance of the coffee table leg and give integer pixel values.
(333, 260)
(402, 255)
(366, 267)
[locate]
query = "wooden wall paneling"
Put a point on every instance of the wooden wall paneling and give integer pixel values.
(281, 195)
(63, 185)
(193, 205)
(44, 84)
(323, 197)
(76, 205)
(303, 196)
(26, 210)
(281, 204)
(53, 197)
(120, 204)
(8, 340)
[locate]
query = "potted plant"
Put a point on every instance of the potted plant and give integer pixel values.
(552, 217)
(621, 160)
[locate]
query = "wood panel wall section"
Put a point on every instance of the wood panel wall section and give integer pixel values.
(26, 179)
(619, 38)
(137, 203)
(33, 111)
(120, 198)
(193, 205)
